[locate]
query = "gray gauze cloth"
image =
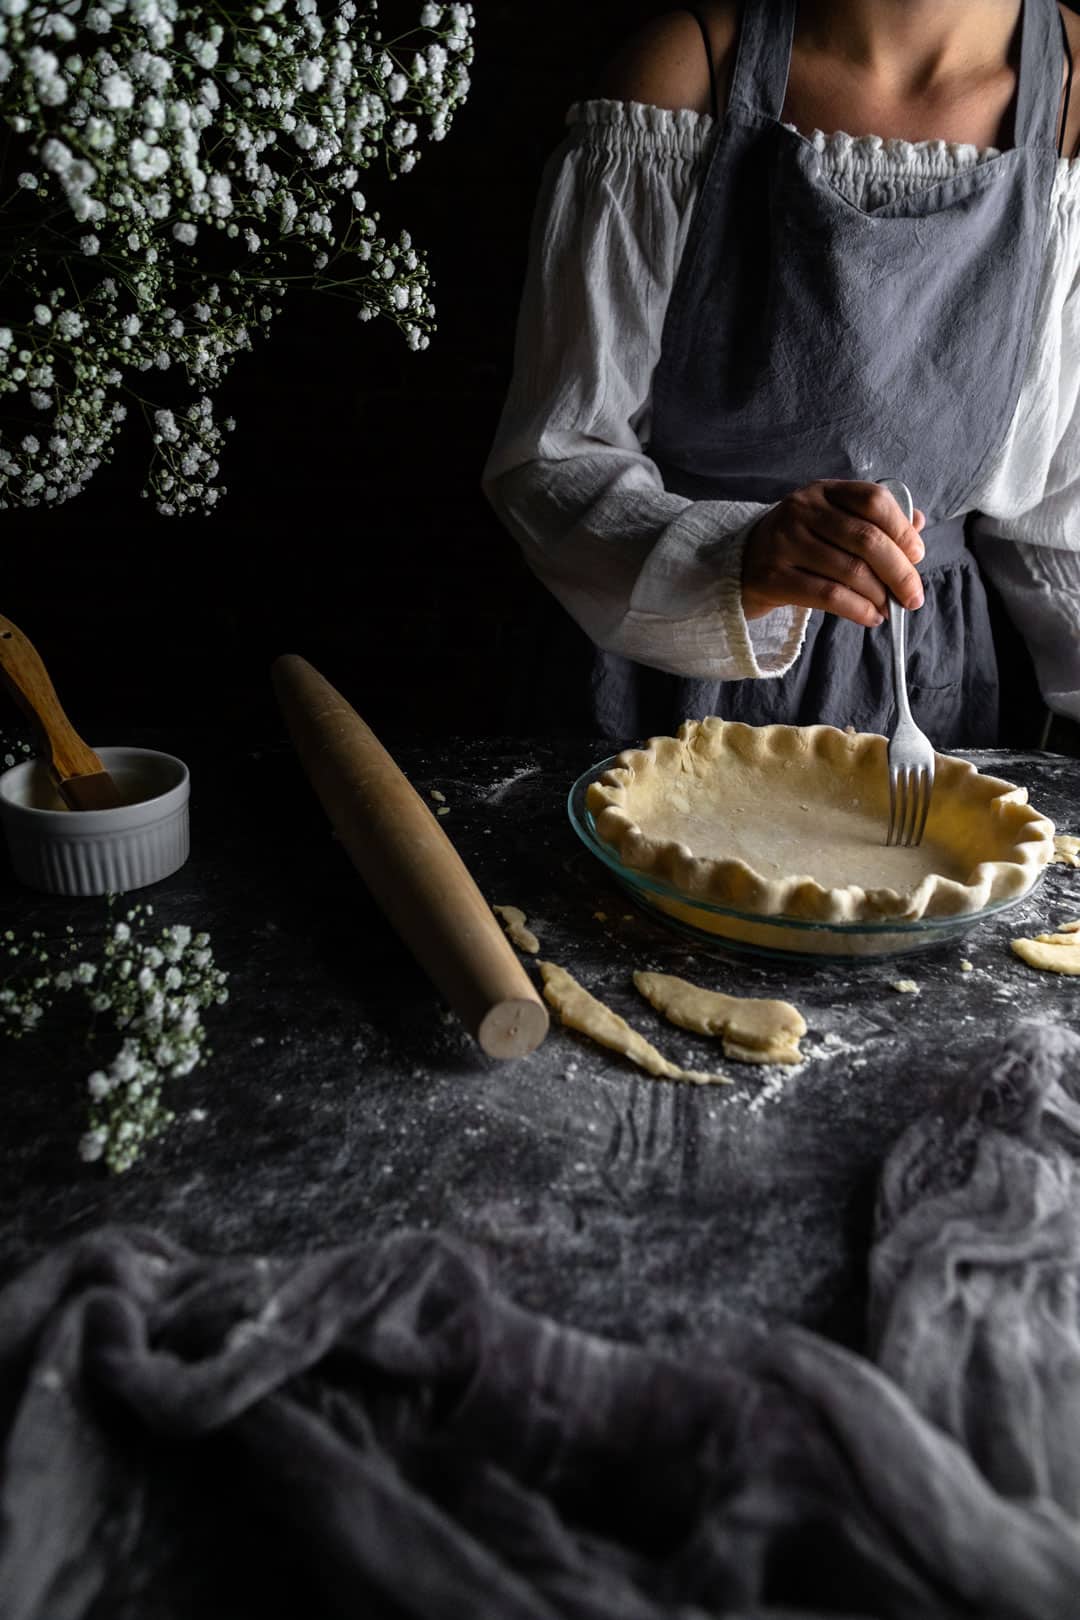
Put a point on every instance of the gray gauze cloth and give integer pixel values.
(379, 1431)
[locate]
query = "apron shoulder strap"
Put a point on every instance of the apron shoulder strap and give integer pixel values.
(763, 57)
(1042, 61)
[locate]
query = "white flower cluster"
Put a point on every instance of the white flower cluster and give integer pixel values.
(13, 750)
(155, 991)
(183, 165)
(23, 1004)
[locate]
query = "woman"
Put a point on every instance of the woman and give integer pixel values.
(735, 324)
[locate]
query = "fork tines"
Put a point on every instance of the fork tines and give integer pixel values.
(910, 790)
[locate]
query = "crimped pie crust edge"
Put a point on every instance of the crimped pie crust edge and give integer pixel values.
(736, 884)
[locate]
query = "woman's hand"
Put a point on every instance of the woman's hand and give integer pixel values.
(837, 545)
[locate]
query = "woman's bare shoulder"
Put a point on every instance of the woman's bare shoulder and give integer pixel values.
(664, 63)
(1071, 144)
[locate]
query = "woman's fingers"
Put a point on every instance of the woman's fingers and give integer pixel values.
(812, 591)
(802, 588)
(847, 569)
(879, 507)
(841, 546)
(801, 570)
(888, 552)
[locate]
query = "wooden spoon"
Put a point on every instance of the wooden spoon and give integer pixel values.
(81, 778)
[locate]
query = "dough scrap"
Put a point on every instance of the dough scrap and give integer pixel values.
(1053, 953)
(753, 1030)
(1066, 850)
(583, 1012)
(513, 920)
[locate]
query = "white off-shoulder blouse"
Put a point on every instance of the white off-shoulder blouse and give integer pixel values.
(656, 576)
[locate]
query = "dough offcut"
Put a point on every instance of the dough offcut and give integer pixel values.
(513, 920)
(753, 1030)
(1054, 953)
(583, 1012)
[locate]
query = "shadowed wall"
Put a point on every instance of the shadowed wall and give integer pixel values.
(354, 530)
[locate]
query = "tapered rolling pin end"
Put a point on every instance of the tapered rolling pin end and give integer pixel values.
(513, 1029)
(409, 864)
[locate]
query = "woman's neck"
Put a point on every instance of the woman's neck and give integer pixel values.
(913, 47)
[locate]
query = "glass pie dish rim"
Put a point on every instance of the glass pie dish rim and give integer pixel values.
(644, 883)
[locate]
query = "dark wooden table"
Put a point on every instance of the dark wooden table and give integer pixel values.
(342, 1098)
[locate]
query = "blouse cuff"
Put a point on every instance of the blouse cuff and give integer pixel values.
(720, 636)
(767, 647)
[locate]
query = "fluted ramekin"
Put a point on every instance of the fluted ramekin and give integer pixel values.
(83, 852)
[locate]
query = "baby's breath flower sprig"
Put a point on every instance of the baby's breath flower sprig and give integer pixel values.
(185, 166)
(155, 991)
(13, 750)
(29, 980)
(154, 988)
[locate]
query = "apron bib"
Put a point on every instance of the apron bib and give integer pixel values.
(808, 338)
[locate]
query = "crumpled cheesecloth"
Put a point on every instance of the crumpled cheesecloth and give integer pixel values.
(379, 1431)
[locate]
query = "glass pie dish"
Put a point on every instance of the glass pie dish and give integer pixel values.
(727, 928)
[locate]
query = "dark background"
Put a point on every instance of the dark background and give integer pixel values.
(354, 530)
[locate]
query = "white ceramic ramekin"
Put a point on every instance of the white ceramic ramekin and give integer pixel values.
(98, 851)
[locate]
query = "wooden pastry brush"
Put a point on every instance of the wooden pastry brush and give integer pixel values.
(81, 778)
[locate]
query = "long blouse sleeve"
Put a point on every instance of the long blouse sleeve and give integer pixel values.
(647, 573)
(1027, 535)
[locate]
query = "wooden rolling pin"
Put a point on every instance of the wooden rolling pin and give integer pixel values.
(409, 864)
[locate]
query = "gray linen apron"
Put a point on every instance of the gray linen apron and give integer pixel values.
(809, 338)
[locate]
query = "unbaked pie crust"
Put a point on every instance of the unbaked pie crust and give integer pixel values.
(791, 821)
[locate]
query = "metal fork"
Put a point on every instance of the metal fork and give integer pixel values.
(911, 755)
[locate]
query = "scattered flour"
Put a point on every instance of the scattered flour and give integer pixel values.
(831, 1045)
(500, 789)
(769, 1091)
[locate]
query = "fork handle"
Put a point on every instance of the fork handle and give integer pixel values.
(897, 614)
(898, 634)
